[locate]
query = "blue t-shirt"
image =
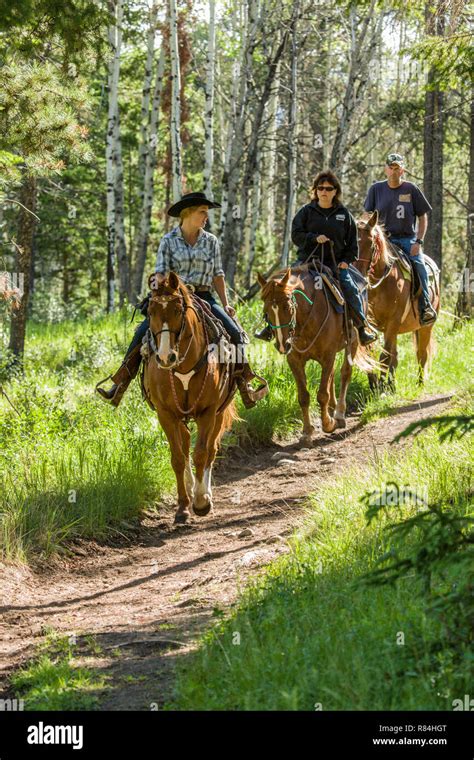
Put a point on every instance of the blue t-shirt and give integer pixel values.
(398, 207)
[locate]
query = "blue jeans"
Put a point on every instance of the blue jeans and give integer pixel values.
(418, 262)
(349, 289)
(218, 311)
(351, 293)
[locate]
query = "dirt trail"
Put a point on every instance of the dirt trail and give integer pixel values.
(146, 598)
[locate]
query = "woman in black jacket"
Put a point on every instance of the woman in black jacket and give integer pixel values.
(325, 219)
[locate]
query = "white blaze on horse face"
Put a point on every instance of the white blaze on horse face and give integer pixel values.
(280, 345)
(164, 347)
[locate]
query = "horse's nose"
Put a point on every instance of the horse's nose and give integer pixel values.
(173, 357)
(287, 346)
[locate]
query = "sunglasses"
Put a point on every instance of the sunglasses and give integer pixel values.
(325, 188)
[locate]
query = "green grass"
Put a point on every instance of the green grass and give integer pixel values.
(311, 636)
(72, 466)
(54, 681)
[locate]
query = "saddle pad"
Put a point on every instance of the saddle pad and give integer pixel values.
(333, 288)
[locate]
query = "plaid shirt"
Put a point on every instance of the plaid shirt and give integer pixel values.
(197, 265)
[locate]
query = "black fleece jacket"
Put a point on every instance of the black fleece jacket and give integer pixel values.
(337, 223)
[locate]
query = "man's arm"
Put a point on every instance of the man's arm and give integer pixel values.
(422, 227)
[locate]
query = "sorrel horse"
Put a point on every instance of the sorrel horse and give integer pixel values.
(306, 326)
(391, 309)
(183, 381)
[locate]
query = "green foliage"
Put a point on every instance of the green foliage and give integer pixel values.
(54, 681)
(314, 636)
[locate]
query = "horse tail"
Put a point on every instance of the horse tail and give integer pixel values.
(229, 416)
(365, 361)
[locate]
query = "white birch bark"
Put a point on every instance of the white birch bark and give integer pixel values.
(114, 38)
(272, 159)
(176, 165)
(209, 102)
(148, 182)
(146, 91)
(291, 195)
(256, 191)
(361, 49)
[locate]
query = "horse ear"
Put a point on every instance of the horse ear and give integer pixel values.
(173, 281)
(261, 280)
(284, 280)
(373, 219)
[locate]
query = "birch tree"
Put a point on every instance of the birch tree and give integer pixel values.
(209, 102)
(148, 182)
(292, 142)
(176, 169)
(362, 43)
(115, 41)
(433, 143)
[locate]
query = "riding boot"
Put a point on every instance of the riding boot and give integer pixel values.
(265, 334)
(366, 334)
(427, 313)
(122, 378)
(244, 376)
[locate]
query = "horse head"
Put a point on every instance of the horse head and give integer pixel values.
(372, 245)
(279, 308)
(166, 313)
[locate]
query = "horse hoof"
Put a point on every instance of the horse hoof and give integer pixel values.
(305, 439)
(203, 510)
(329, 427)
(181, 518)
(340, 422)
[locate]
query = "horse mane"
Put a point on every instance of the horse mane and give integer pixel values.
(164, 289)
(289, 287)
(379, 238)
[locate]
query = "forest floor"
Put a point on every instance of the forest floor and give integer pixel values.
(138, 605)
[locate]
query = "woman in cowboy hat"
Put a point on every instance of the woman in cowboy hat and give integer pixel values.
(194, 255)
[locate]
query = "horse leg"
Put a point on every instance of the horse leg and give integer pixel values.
(346, 374)
(327, 421)
(423, 340)
(202, 502)
(297, 366)
(179, 461)
(332, 394)
(188, 472)
(389, 360)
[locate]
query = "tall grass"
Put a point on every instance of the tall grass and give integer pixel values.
(307, 635)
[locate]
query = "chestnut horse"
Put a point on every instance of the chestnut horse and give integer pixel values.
(183, 380)
(391, 309)
(306, 326)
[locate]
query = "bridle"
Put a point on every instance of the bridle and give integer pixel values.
(164, 300)
(292, 305)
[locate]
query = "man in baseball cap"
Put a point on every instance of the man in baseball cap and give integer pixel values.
(402, 209)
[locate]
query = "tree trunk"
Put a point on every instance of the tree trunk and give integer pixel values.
(26, 230)
(361, 48)
(433, 146)
(292, 143)
(176, 165)
(148, 182)
(209, 102)
(120, 243)
(115, 9)
(465, 302)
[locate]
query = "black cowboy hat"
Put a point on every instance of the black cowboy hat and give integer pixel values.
(191, 199)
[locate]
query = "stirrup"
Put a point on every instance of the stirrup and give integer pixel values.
(431, 319)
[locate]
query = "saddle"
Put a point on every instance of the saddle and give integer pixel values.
(332, 286)
(411, 275)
